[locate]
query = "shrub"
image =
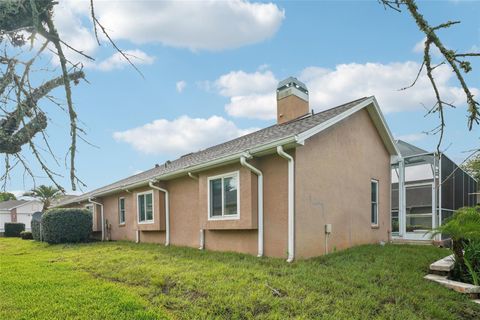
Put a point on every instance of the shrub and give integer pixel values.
(66, 225)
(13, 229)
(26, 235)
(36, 219)
(464, 229)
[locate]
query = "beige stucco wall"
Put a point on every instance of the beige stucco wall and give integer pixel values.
(333, 174)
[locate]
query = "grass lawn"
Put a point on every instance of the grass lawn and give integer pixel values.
(121, 280)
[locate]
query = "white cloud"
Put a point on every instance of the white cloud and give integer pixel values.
(117, 61)
(196, 25)
(255, 106)
(181, 85)
(252, 95)
(412, 137)
(350, 81)
(181, 135)
(239, 83)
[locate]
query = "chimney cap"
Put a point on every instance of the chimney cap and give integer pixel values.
(292, 82)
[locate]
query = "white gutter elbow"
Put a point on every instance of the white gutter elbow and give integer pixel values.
(191, 175)
(101, 216)
(259, 174)
(167, 211)
(291, 202)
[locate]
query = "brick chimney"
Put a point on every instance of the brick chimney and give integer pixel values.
(292, 100)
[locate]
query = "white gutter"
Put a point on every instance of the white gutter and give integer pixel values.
(167, 211)
(291, 202)
(101, 216)
(259, 174)
(202, 166)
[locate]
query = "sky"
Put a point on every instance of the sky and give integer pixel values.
(210, 70)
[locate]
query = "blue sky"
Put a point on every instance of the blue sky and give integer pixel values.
(210, 71)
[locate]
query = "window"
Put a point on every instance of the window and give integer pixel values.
(145, 207)
(121, 210)
(223, 202)
(374, 209)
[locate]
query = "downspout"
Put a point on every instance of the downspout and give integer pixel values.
(167, 211)
(101, 216)
(202, 232)
(291, 202)
(401, 199)
(259, 174)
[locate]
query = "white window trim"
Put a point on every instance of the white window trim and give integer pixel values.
(120, 211)
(376, 201)
(153, 208)
(235, 174)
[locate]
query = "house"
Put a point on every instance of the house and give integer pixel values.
(428, 187)
(310, 184)
(18, 211)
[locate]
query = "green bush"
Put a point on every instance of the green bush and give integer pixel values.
(13, 229)
(36, 218)
(464, 230)
(26, 235)
(66, 225)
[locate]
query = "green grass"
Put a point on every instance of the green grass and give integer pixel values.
(121, 280)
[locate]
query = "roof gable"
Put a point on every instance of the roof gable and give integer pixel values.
(295, 131)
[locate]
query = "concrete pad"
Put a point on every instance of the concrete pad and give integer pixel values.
(444, 265)
(455, 285)
(477, 301)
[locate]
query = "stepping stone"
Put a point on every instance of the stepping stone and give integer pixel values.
(455, 285)
(443, 265)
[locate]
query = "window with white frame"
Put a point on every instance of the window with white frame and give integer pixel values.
(374, 201)
(121, 210)
(223, 196)
(145, 207)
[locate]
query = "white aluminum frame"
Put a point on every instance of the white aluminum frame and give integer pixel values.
(235, 174)
(120, 211)
(153, 207)
(374, 225)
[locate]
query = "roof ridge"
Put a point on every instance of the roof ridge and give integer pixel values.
(257, 138)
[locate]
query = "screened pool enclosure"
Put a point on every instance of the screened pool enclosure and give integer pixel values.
(427, 188)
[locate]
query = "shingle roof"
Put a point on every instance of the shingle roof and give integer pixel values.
(10, 204)
(241, 144)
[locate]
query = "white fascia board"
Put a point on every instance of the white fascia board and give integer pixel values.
(24, 204)
(199, 167)
(376, 115)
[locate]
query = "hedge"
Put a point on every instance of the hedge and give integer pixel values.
(36, 218)
(66, 225)
(26, 235)
(13, 229)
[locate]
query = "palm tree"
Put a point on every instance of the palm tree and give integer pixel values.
(46, 194)
(462, 228)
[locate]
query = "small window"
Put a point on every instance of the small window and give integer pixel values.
(121, 211)
(374, 206)
(223, 196)
(145, 207)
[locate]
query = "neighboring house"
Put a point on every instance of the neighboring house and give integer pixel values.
(433, 188)
(310, 184)
(18, 211)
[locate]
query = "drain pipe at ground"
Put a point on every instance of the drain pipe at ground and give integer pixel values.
(167, 211)
(101, 216)
(259, 174)
(291, 202)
